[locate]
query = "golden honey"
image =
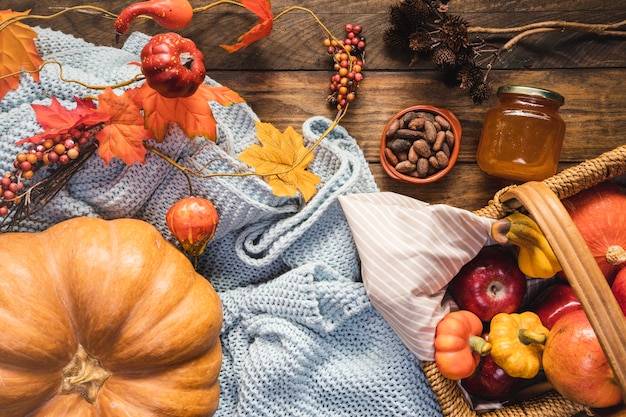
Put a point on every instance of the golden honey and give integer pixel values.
(522, 135)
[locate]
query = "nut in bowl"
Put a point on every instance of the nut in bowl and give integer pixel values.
(420, 144)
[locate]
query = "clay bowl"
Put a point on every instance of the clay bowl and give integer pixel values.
(389, 136)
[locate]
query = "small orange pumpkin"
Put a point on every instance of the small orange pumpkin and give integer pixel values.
(193, 221)
(105, 318)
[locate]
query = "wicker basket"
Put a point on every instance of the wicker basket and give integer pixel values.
(541, 200)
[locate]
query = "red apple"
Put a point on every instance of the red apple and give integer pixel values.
(619, 289)
(575, 364)
(490, 283)
(555, 301)
(490, 382)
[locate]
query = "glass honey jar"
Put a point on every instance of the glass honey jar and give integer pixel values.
(522, 135)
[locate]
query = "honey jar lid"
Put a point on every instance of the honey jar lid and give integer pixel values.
(532, 91)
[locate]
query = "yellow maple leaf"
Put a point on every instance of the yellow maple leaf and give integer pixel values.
(282, 160)
(17, 52)
(193, 114)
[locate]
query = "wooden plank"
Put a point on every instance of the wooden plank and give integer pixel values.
(594, 109)
(284, 78)
(296, 42)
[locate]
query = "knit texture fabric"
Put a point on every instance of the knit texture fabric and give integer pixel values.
(300, 336)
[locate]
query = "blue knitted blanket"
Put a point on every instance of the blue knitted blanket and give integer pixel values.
(300, 336)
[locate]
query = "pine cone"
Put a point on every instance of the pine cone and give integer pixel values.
(453, 31)
(399, 20)
(480, 92)
(444, 57)
(420, 42)
(395, 38)
(416, 11)
(469, 75)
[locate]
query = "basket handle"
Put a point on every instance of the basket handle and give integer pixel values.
(582, 270)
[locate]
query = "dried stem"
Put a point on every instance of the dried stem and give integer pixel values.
(599, 28)
(217, 3)
(610, 29)
(15, 19)
(136, 78)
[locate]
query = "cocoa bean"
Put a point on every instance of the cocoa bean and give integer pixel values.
(422, 148)
(445, 125)
(426, 115)
(430, 132)
(422, 167)
(416, 124)
(393, 128)
(434, 162)
(405, 167)
(409, 134)
(400, 145)
(408, 117)
(391, 157)
(450, 139)
(446, 150)
(439, 140)
(442, 159)
(413, 156)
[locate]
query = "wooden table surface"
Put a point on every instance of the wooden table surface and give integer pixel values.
(284, 78)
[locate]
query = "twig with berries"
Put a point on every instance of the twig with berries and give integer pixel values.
(425, 30)
(63, 155)
(348, 61)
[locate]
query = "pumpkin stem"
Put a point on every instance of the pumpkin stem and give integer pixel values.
(527, 337)
(479, 345)
(615, 255)
(84, 375)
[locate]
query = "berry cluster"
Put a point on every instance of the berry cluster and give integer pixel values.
(55, 151)
(348, 57)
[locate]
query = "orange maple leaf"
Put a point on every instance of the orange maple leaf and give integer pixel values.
(193, 114)
(17, 52)
(262, 8)
(282, 161)
(124, 133)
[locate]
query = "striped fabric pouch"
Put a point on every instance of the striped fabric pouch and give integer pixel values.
(409, 251)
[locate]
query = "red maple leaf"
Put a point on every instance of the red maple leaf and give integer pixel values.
(124, 134)
(56, 119)
(193, 114)
(262, 8)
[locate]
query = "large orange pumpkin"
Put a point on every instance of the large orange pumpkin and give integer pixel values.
(105, 318)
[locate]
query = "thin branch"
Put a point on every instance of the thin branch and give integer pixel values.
(552, 26)
(124, 83)
(597, 28)
(217, 3)
(509, 44)
(15, 19)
